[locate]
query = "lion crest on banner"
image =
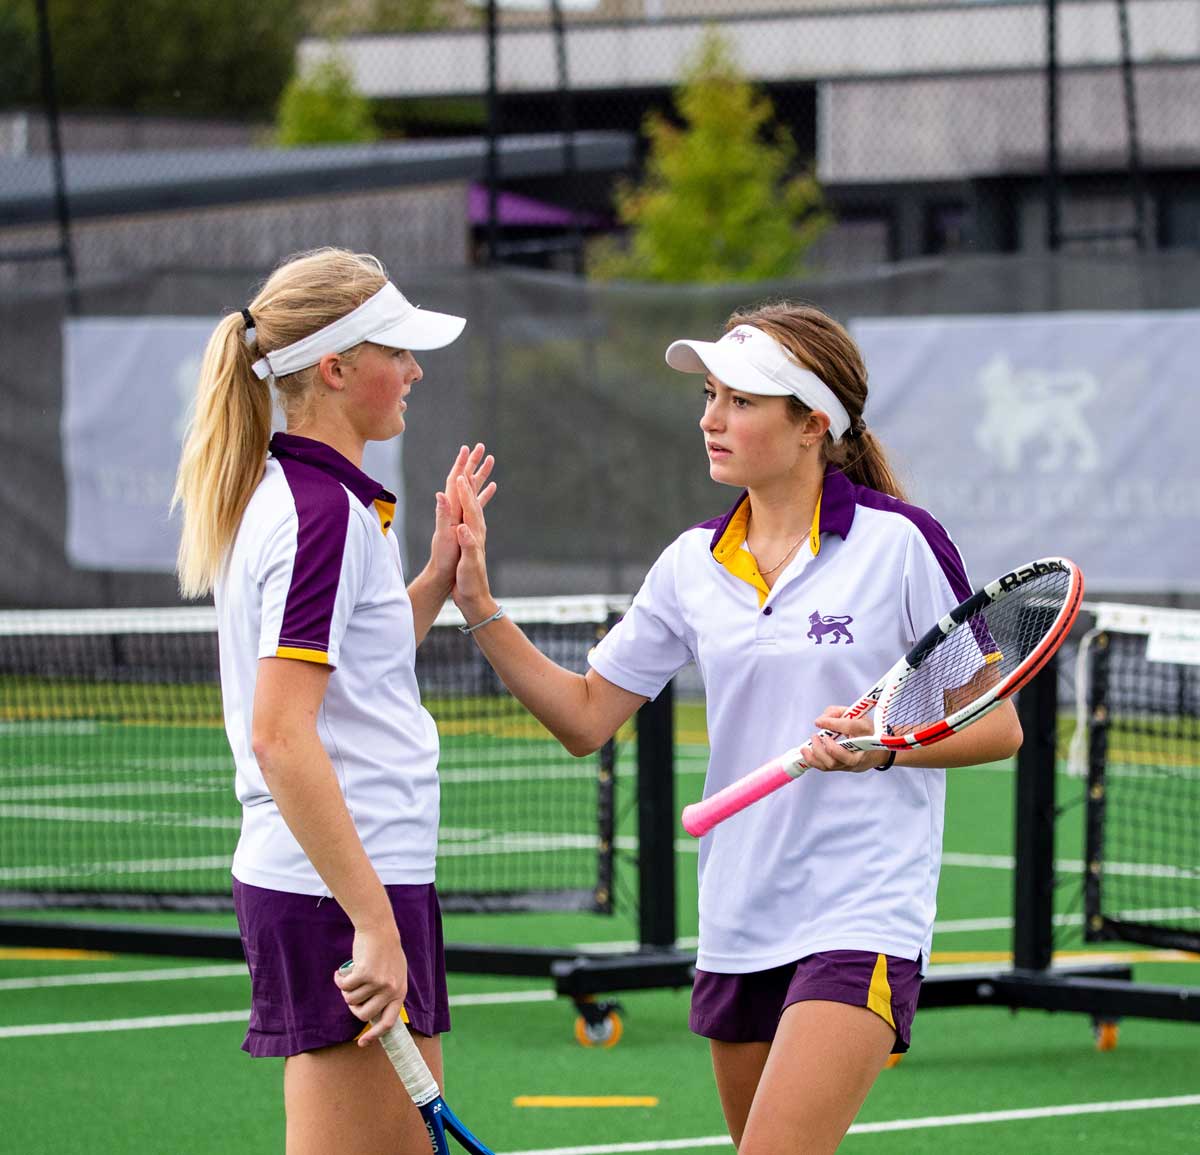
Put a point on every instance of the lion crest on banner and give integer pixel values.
(1036, 413)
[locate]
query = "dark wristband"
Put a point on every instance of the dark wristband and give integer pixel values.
(891, 758)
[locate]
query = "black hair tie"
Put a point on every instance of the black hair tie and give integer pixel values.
(248, 319)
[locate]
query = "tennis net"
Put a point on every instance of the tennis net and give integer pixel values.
(116, 778)
(1138, 678)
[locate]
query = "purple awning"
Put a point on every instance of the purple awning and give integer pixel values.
(517, 210)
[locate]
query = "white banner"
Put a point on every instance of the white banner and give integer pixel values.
(1036, 434)
(127, 386)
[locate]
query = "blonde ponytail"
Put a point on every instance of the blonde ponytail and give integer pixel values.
(225, 449)
(223, 455)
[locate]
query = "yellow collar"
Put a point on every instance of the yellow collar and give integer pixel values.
(741, 562)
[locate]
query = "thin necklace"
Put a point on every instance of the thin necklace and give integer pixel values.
(791, 550)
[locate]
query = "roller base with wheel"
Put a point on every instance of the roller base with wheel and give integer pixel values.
(599, 1023)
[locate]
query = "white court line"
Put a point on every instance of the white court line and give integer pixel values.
(1068, 1109)
(105, 978)
(1074, 866)
(122, 817)
(12, 874)
(134, 789)
(95, 1026)
(157, 1022)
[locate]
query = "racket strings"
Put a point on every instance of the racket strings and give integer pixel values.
(979, 654)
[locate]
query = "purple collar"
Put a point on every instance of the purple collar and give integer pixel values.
(318, 455)
(837, 507)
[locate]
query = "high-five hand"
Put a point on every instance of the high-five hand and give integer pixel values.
(473, 469)
(472, 592)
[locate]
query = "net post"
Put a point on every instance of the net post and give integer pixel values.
(1097, 789)
(1033, 897)
(656, 821)
(606, 809)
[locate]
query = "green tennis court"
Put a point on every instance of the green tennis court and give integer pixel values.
(147, 1053)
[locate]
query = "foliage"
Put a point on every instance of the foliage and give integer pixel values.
(189, 57)
(338, 18)
(406, 16)
(322, 107)
(720, 200)
(19, 76)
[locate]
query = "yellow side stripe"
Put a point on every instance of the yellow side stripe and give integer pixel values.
(879, 997)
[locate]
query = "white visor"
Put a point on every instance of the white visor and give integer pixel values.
(385, 318)
(752, 361)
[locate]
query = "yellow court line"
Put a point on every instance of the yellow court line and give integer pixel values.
(39, 954)
(585, 1101)
(986, 956)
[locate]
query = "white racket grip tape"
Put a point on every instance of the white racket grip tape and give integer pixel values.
(411, 1068)
(701, 817)
(406, 1059)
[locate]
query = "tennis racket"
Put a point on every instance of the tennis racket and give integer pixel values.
(979, 654)
(422, 1087)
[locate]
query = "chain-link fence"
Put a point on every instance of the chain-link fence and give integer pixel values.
(140, 177)
(601, 462)
(499, 133)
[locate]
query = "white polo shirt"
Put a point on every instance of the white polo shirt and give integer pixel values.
(314, 575)
(834, 860)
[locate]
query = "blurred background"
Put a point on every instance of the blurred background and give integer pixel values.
(587, 180)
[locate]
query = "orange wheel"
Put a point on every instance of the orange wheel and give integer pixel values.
(605, 1033)
(1106, 1036)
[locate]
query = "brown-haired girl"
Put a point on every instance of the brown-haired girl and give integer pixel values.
(817, 904)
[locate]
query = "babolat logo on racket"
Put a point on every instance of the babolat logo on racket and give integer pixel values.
(1036, 569)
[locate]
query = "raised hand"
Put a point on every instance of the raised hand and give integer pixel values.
(472, 592)
(473, 469)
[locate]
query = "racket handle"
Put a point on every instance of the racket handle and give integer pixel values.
(414, 1073)
(412, 1069)
(701, 817)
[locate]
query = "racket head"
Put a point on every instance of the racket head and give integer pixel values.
(979, 654)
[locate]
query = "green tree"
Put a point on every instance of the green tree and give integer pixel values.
(190, 57)
(323, 107)
(338, 18)
(20, 73)
(720, 200)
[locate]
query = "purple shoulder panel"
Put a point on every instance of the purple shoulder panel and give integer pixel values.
(323, 515)
(930, 529)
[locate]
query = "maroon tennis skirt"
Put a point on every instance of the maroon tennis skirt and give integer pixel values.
(745, 1008)
(295, 942)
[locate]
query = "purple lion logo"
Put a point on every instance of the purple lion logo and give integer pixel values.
(739, 335)
(832, 626)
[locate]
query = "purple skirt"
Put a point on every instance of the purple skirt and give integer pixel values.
(295, 942)
(745, 1008)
